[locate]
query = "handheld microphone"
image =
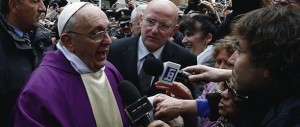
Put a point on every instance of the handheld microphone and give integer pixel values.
(167, 71)
(137, 107)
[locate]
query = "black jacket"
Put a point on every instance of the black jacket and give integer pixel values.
(17, 61)
(123, 55)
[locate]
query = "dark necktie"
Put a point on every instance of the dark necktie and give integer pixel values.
(144, 78)
(27, 39)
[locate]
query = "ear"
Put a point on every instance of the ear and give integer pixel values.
(67, 42)
(208, 38)
(140, 20)
(13, 6)
(175, 30)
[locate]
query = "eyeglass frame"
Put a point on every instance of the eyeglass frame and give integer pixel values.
(162, 27)
(233, 94)
(97, 36)
(290, 1)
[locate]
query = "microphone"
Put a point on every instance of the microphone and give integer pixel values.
(137, 107)
(167, 71)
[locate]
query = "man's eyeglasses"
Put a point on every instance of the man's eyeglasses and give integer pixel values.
(95, 36)
(232, 93)
(161, 26)
(290, 1)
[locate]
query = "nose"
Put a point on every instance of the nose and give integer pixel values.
(222, 66)
(184, 40)
(106, 40)
(155, 28)
(224, 94)
(233, 58)
(41, 7)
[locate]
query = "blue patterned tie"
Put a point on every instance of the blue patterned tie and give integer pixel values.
(144, 78)
(27, 39)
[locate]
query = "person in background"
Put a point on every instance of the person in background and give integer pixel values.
(54, 28)
(74, 85)
(135, 22)
(128, 5)
(17, 56)
(238, 8)
(157, 26)
(199, 37)
(222, 111)
(265, 67)
(124, 28)
(223, 50)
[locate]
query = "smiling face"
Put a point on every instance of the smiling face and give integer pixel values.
(195, 42)
(91, 51)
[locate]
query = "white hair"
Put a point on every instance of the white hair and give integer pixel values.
(136, 12)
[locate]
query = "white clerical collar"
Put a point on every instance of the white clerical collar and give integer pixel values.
(76, 63)
(143, 51)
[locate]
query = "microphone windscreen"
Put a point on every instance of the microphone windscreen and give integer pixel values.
(128, 92)
(153, 67)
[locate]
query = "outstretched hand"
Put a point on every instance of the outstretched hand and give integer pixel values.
(205, 73)
(176, 90)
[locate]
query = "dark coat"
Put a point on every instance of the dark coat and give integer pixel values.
(284, 114)
(16, 64)
(123, 55)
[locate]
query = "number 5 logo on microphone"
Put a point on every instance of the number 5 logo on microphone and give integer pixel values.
(169, 73)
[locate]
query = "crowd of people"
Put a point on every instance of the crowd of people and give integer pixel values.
(61, 63)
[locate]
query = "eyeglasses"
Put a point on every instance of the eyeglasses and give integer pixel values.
(95, 36)
(232, 93)
(161, 26)
(290, 1)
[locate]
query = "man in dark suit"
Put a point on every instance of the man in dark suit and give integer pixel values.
(157, 27)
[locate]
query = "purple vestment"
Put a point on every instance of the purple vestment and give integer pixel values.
(55, 96)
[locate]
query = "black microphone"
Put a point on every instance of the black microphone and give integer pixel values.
(155, 67)
(137, 107)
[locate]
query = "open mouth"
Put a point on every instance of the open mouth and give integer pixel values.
(102, 54)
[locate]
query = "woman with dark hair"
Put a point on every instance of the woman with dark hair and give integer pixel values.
(199, 37)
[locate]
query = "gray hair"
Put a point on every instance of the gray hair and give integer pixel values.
(139, 10)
